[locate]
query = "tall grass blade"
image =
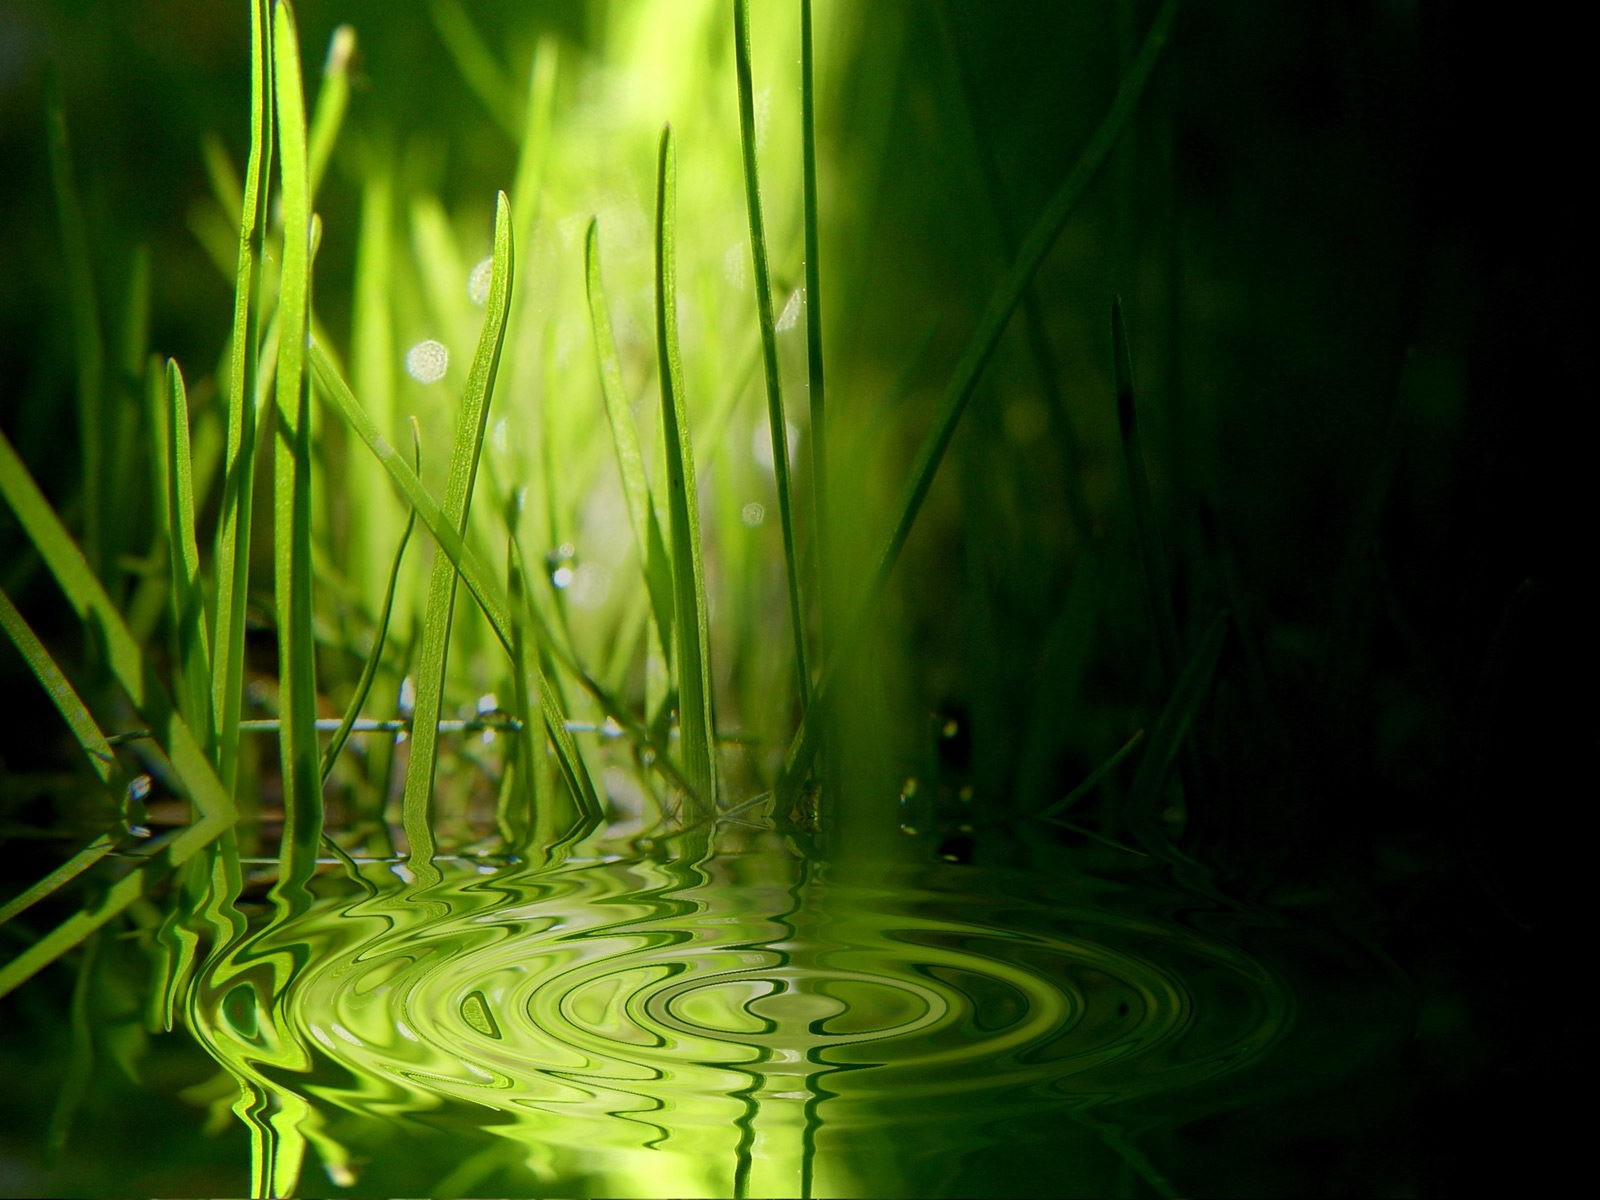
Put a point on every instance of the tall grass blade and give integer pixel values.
(333, 97)
(985, 339)
(815, 365)
(475, 61)
(1152, 561)
(87, 335)
(78, 1071)
(90, 739)
(538, 122)
(302, 791)
(1094, 777)
(648, 540)
(1169, 732)
(188, 593)
(693, 635)
(524, 816)
(777, 423)
(491, 598)
(380, 636)
(58, 878)
(471, 422)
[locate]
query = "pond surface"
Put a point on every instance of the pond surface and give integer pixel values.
(755, 1025)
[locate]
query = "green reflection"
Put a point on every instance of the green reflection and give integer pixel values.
(746, 1025)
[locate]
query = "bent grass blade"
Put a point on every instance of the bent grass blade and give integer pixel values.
(981, 348)
(471, 423)
(188, 593)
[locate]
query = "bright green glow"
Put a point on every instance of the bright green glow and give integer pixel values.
(653, 1028)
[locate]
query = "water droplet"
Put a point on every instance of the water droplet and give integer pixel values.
(500, 438)
(478, 282)
(790, 316)
(753, 514)
(139, 788)
(488, 704)
(562, 564)
(408, 696)
(761, 444)
(427, 361)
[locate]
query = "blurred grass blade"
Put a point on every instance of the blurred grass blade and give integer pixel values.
(87, 336)
(333, 97)
(78, 1071)
(89, 600)
(475, 61)
(1152, 561)
(814, 360)
(102, 759)
(1168, 734)
(486, 590)
(1095, 776)
(777, 423)
(471, 422)
(302, 791)
(648, 540)
(696, 720)
(369, 669)
(985, 339)
(533, 146)
(524, 816)
(58, 878)
(188, 592)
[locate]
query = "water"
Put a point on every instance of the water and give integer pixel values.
(750, 1025)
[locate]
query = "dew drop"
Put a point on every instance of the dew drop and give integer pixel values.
(427, 361)
(753, 514)
(790, 315)
(478, 282)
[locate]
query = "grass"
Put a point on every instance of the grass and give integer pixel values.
(632, 598)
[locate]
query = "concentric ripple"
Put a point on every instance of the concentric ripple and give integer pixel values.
(664, 1028)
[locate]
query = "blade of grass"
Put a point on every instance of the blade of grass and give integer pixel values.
(969, 369)
(88, 339)
(102, 759)
(814, 359)
(188, 593)
(58, 878)
(533, 147)
(697, 720)
(333, 97)
(1094, 777)
(777, 423)
(1152, 561)
(471, 422)
(122, 655)
(1169, 733)
(485, 589)
(78, 1070)
(528, 824)
(475, 61)
(648, 541)
(302, 792)
(369, 669)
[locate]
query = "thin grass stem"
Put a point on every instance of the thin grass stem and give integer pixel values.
(777, 423)
(697, 720)
(187, 608)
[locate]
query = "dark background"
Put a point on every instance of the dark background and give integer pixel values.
(1350, 242)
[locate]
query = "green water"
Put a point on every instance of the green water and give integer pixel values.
(748, 1025)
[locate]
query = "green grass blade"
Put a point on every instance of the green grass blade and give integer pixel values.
(302, 791)
(130, 887)
(475, 61)
(777, 423)
(533, 147)
(78, 1071)
(333, 97)
(648, 540)
(369, 669)
(491, 598)
(985, 339)
(188, 593)
(102, 759)
(122, 655)
(1095, 776)
(1169, 732)
(238, 482)
(471, 422)
(58, 878)
(88, 338)
(815, 365)
(696, 719)
(525, 823)
(1152, 561)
